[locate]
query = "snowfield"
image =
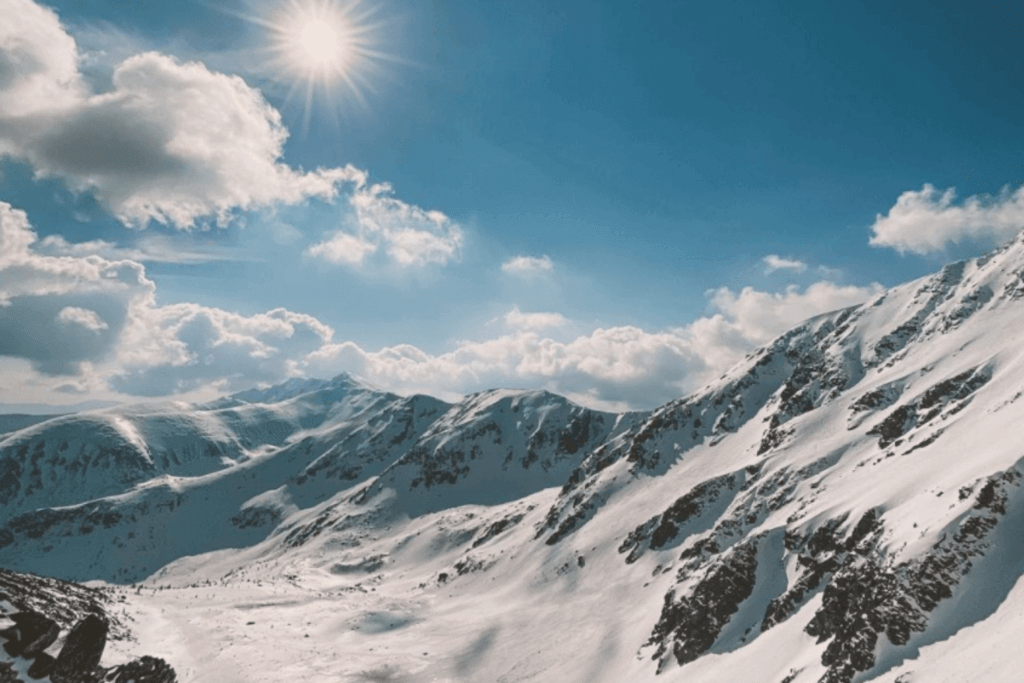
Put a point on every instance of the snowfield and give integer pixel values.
(843, 505)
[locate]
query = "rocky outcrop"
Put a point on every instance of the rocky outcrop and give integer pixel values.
(691, 622)
(47, 606)
(662, 530)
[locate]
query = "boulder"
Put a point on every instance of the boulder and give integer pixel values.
(143, 670)
(42, 666)
(7, 673)
(37, 632)
(79, 659)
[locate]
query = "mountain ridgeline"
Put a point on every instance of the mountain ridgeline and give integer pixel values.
(840, 506)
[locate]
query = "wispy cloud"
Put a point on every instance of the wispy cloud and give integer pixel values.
(148, 248)
(517, 320)
(926, 220)
(774, 262)
(528, 265)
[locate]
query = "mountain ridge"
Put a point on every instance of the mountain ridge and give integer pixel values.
(837, 507)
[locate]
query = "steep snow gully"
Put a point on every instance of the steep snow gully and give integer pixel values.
(842, 506)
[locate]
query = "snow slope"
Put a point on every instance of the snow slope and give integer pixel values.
(843, 505)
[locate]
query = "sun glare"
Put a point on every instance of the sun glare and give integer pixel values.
(319, 45)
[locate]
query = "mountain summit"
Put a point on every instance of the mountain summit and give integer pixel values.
(841, 506)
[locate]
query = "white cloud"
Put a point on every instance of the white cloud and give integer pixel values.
(170, 142)
(518, 320)
(38, 61)
(927, 221)
(611, 367)
(61, 312)
(188, 347)
(528, 265)
(774, 262)
(95, 321)
(409, 235)
(761, 316)
(341, 247)
(90, 320)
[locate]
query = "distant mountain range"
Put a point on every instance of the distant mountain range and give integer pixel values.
(843, 505)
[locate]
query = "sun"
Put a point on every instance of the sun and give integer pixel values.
(314, 40)
(322, 48)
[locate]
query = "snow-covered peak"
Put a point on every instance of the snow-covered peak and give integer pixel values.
(298, 386)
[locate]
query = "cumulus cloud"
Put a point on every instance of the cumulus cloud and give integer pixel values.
(518, 320)
(614, 367)
(761, 316)
(528, 265)
(61, 312)
(187, 347)
(408, 235)
(38, 60)
(90, 320)
(927, 220)
(171, 142)
(96, 321)
(774, 262)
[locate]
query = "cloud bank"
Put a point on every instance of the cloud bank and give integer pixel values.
(82, 317)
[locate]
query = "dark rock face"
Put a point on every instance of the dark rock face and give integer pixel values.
(497, 528)
(144, 670)
(42, 666)
(690, 624)
(7, 674)
(82, 650)
(863, 601)
(35, 633)
(661, 530)
(865, 598)
(951, 396)
(62, 601)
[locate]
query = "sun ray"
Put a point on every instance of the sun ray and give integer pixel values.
(322, 48)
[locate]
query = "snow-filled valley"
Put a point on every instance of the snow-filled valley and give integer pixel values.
(843, 505)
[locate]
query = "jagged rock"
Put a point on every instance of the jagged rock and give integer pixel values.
(82, 651)
(7, 674)
(42, 666)
(36, 632)
(143, 670)
(690, 624)
(663, 529)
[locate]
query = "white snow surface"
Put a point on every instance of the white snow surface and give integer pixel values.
(325, 530)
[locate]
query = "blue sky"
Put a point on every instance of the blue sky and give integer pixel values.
(607, 199)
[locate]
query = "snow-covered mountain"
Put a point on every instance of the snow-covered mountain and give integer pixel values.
(843, 505)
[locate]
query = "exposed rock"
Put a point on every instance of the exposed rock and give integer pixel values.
(82, 650)
(42, 666)
(951, 395)
(690, 624)
(7, 674)
(64, 602)
(663, 529)
(143, 670)
(35, 633)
